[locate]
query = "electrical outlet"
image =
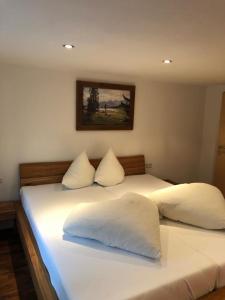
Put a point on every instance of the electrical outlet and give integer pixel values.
(148, 166)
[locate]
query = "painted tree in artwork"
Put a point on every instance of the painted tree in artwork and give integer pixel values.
(126, 104)
(93, 100)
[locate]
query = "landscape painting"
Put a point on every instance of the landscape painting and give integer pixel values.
(104, 106)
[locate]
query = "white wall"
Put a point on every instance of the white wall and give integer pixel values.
(37, 123)
(210, 132)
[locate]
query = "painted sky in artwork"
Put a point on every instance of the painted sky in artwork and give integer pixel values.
(107, 95)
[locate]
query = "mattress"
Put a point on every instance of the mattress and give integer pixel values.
(87, 270)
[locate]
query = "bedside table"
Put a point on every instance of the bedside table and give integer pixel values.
(7, 211)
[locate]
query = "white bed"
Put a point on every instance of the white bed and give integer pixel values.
(192, 262)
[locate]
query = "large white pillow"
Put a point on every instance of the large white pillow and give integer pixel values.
(80, 173)
(198, 204)
(109, 171)
(130, 223)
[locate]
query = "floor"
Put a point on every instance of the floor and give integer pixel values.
(15, 279)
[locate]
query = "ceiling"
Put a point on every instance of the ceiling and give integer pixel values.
(119, 36)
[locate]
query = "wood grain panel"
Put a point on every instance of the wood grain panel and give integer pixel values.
(52, 172)
(39, 273)
(7, 211)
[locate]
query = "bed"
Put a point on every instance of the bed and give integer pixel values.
(63, 268)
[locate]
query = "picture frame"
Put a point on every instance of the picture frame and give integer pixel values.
(104, 106)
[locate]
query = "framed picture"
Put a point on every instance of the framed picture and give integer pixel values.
(104, 106)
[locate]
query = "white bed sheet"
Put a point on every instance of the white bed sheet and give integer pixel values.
(141, 184)
(83, 269)
(210, 243)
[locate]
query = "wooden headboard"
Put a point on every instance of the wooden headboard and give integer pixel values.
(52, 172)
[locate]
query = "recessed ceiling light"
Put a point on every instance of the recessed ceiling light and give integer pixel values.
(167, 61)
(68, 46)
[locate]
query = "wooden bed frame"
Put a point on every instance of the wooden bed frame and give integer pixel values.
(52, 172)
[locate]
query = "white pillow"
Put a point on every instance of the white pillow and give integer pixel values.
(109, 171)
(198, 204)
(130, 223)
(80, 173)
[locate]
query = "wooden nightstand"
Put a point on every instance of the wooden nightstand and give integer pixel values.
(7, 211)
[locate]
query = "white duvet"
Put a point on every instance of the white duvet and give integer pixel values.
(197, 204)
(191, 264)
(130, 223)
